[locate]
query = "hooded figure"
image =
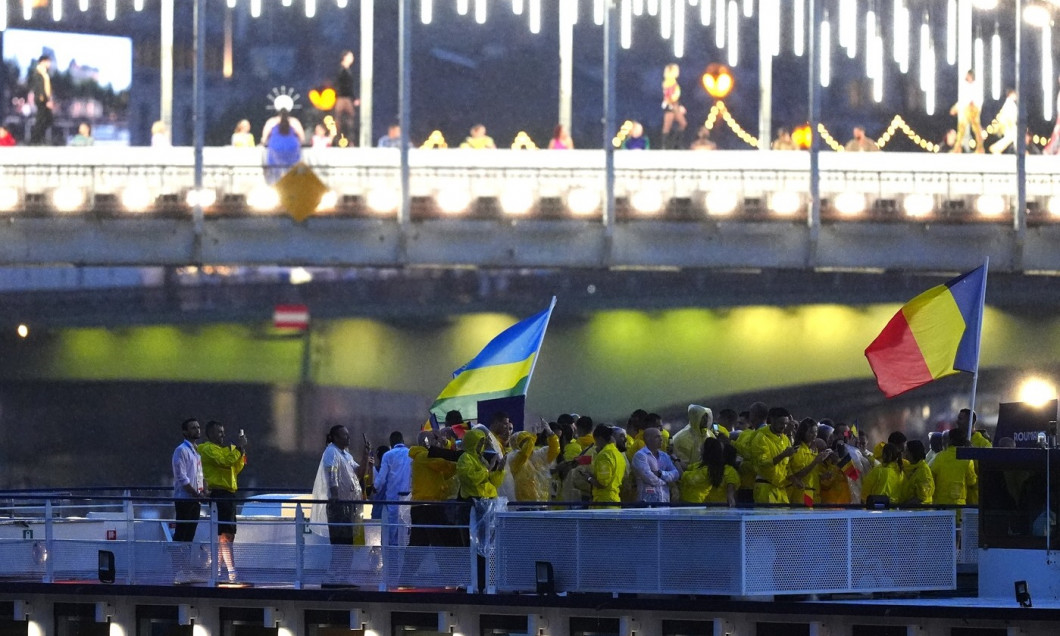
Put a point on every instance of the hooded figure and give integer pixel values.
(688, 443)
(529, 466)
(473, 473)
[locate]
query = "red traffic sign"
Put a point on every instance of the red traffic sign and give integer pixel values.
(291, 317)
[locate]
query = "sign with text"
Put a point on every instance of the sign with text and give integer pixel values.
(1025, 423)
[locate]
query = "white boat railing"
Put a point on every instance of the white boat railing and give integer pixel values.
(678, 550)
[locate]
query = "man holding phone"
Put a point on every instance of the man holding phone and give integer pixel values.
(221, 464)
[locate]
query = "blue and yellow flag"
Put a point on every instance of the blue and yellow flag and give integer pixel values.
(502, 369)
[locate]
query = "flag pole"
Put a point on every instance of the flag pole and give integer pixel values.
(533, 365)
(978, 347)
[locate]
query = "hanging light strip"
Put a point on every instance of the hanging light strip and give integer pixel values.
(798, 29)
(518, 6)
(255, 8)
(626, 24)
(598, 12)
(995, 65)
(1047, 71)
(310, 8)
(901, 39)
(57, 9)
(870, 43)
(877, 55)
(83, 5)
(748, 8)
(680, 18)
(112, 10)
(231, 4)
(771, 10)
(535, 16)
(666, 19)
(480, 11)
(734, 34)
(951, 32)
(27, 9)
(462, 6)
(653, 7)
(638, 7)
(286, 3)
(826, 51)
(706, 11)
(3, 15)
(848, 26)
(426, 11)
(719, 24)
(927, 66)
(341, 3)
(138, 5)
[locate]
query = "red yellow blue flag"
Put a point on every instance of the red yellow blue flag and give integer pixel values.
(502, 369)
(934, 335)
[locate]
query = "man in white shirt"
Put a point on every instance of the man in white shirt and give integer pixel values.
(653, 469)
(395, 482)
(969, 103)
(188, 486)
(1006, 121)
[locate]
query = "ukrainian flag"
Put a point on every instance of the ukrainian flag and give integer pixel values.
(934, 335)
(502, 369)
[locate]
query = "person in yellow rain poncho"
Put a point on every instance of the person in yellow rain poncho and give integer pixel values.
(688, 442)
(979, 440)
(477, 477)
(577, 456)
(529, 465)
(433, 480)
(712, 479)
(608, 467)
(919, 486)
(806, 466)
(756, 421)
(887, 479)
(770, 451)
(953, 476)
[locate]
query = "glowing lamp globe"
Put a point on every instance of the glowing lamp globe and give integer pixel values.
(802, 136)
(718, 81)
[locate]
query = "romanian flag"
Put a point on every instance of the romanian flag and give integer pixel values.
(502, 369)
(934, 335)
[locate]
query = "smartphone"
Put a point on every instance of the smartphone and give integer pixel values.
(241, 433)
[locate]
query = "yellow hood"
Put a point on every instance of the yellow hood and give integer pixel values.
(699, 417)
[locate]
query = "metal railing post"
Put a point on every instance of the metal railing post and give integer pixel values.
(472, 586)
(214, 559)
(130, 539)
(384, 545)
(49, 547)
(299, 546)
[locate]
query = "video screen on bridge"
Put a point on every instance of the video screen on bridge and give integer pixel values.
(91, 76)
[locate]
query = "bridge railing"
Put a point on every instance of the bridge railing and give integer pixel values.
(680, 550)
(687, 185)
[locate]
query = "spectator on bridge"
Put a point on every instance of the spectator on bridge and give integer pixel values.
(805, 466)
(395, 482)
(478, 139)
(221, 465)
(561, 139)
(6, 138)
(608, 466)
(756, 420)
(653, 469)
(346, 100)
(83, 136)
(919, 486)
(969, 103)
(321, 138)
(1006, 124)
(688, 442)
(241, 136)
(338, 481)
(160, 135)
(636, 139)
(40, 84)
(770, 451)
(953, 476)
(885, 480)
(861, 143)
(283, 137)
(673, 111)
(392, 138)
(949, 141)
(784, 140)
(703, 140)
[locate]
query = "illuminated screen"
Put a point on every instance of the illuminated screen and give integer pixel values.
(105, 58)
